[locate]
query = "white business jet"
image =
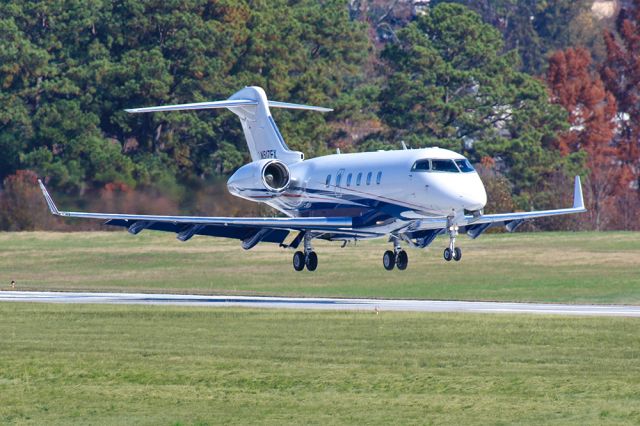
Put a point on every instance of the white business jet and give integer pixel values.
(410, 196)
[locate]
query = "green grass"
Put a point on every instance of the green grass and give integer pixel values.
(547, 267)
(97, 364)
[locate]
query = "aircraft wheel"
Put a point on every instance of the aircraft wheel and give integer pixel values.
(457, 254)
(298, 261)
(389, 260)
(402, 260)
(311, 261)
(447, 254)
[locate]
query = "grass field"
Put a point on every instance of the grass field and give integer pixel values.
(97, 364)
(547, 267)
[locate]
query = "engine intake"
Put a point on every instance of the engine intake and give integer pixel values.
(251, 180)
(275, 176)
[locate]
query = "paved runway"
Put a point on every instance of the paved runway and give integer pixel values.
(321, 303)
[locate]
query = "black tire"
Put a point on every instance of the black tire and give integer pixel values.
(447, 254)
(311, 261)
(457, 254)
(298, 261)
(402, 260)
(389, 260)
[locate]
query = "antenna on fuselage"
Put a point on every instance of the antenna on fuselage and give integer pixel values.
(404, 146)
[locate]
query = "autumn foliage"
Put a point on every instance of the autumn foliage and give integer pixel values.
(22, 207)
(621, 76)
(592, 119)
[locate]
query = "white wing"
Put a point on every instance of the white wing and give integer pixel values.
(429, 227)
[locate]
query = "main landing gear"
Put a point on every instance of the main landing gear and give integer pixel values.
(452, 252)
(309, 258)
(396, 258)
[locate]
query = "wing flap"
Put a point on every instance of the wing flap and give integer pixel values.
(185, 231)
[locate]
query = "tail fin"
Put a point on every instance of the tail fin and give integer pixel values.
(260, 131)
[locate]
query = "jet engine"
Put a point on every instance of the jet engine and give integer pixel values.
(256, 177)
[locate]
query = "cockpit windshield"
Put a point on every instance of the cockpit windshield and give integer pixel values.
(465, 166)
(444, 166)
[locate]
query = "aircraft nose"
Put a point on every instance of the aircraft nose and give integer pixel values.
(473, 197)
(473, 202)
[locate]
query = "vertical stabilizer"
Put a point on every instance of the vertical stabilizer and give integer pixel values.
(260, 130)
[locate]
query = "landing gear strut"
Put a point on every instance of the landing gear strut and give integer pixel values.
(397, 257)
(452, 252)
(309, 258)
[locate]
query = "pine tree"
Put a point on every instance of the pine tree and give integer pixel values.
(450, 85)
(68, 69)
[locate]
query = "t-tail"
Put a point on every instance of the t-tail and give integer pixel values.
(260, 130)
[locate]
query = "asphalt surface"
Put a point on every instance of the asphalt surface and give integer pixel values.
(320, 303)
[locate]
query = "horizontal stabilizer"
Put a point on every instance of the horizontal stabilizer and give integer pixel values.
(254, 109)
(274, 104)
(196, 106)
(231, 103)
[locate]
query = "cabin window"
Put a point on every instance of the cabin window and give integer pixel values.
(328, 181)
(379, 178)
(464, 166)
(349, 179)
(338, 179)
(359, 179)
(444, 166)
(421, 166)
(369, 178)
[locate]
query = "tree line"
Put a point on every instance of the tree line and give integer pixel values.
(532, 92)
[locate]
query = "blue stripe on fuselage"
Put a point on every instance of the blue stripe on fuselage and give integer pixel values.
(364, 211)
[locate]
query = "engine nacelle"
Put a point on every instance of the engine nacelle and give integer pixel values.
(253, 179)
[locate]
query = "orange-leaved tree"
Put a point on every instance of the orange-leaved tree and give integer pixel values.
(621, 76)
(592, 119)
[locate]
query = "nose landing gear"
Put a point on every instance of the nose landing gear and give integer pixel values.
(452, 252)
(397, 257)
(309, 258)
(456, 254)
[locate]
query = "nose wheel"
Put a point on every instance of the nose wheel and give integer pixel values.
(395, 258)
(452, 252)
(455, 254)
(308, 258)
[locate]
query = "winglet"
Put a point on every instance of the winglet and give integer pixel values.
(578, 201)
(47, 197)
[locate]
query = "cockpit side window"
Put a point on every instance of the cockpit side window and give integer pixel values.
(444, 166)
(465, 166)
(421, 166)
